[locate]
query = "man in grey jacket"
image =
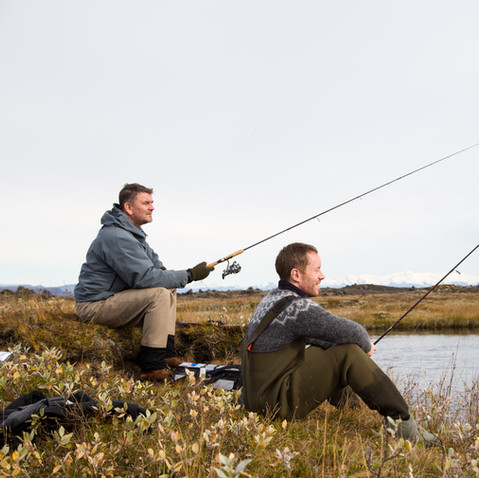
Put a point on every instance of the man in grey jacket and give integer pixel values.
(307, 355)
(124, 283)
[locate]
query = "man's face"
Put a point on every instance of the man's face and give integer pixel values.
(140, 211)
(310, 279)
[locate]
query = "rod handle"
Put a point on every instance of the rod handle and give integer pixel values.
(237, 253)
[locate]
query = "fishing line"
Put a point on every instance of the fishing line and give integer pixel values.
(424, 296)
(234, 268)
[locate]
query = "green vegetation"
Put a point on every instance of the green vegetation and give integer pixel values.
(198, 431)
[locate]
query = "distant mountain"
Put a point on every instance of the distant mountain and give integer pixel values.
(400, 280)
(404, 279)
(64, 290)
(67, 290)
(222, 288)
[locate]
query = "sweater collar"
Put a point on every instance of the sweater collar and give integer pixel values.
(284, 284)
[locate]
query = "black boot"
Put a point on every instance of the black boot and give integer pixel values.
(172, 358)
(170, 347)
(153, 365)
(151, 358)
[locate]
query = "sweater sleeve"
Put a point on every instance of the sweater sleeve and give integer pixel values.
(324, 329)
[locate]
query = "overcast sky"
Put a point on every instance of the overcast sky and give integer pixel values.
(246, 117)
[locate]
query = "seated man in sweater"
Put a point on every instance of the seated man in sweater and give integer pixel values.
(124, 283)
(306, 355)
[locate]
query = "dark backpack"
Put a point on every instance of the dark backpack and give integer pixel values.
(16, 417)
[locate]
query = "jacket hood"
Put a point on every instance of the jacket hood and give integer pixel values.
(117, 218)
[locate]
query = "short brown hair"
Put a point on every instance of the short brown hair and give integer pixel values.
(130, 191)
(293, 256)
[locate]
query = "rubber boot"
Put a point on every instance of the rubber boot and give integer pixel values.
(410, 430)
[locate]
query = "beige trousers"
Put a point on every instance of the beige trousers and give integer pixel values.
(153, 309)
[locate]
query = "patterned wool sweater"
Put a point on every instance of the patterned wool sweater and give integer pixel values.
(303, 318)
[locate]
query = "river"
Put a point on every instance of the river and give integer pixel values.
(427, 359)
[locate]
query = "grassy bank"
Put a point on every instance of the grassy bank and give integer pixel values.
(197, 431)
(446, 308)
(40, 322)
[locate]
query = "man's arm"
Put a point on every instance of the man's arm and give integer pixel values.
(130, 260)
(321, 327)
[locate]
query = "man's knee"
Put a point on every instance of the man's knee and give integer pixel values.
(152, 295)
(162, 295)
(350, 351)
(88, 311)
(351, 360)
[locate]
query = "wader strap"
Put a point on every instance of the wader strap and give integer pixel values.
(277, 308)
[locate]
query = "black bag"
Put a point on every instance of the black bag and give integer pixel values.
(227, 377)
(15, 418)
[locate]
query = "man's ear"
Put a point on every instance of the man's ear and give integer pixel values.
(294, 275)
(127, 208)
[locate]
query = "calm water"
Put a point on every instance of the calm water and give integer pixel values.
(429, 358)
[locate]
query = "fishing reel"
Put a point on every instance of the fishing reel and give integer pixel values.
(233, 268)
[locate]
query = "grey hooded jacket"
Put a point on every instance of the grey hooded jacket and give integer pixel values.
(119, 259)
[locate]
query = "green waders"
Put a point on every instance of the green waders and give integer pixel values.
(294, 380)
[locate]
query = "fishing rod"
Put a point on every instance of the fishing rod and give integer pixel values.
(239, 327)
(424, 296)
(234, 268)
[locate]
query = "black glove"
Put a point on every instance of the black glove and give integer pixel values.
(199, 272)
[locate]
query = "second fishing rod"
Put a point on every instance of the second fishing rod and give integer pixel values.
(425, 295)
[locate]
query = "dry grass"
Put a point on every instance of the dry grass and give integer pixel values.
(437, 312)
(443, 309)
(197, 431)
